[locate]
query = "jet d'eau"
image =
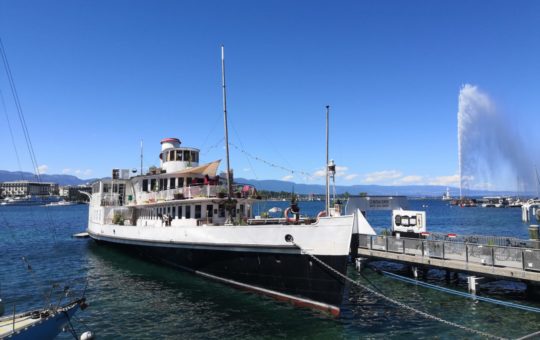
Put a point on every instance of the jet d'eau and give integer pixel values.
(492, 152)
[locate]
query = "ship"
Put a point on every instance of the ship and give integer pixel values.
(185, 215)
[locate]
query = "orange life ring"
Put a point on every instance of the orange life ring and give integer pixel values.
(321, 214)
(286, 215)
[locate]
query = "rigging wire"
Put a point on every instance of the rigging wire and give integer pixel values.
(277, 166)
(26, 132)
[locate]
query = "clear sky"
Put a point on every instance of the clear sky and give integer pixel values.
(96, 77)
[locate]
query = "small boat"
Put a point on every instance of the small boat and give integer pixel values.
(446, 196)
(44, 323)
(59, 204)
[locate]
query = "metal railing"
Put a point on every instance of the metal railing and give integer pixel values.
(491, 255)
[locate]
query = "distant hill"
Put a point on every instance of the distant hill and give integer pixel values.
(277, 185)
(408, 190)
(9, 176)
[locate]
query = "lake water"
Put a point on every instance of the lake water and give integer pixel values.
(132, 298)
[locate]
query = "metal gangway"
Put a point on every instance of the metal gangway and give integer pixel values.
(517, 261)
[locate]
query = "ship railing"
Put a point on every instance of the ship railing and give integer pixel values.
(106, 200)
(194, 191)
(525, 258)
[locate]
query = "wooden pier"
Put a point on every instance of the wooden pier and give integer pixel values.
(501, 262)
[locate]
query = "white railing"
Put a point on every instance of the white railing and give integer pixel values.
(524, 258)
(203, 191)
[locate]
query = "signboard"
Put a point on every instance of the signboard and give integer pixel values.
(369, 203)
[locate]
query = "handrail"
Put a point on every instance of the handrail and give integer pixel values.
(525, 258)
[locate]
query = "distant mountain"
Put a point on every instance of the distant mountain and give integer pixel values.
(277, 185)
(408, 190)
(9, 176)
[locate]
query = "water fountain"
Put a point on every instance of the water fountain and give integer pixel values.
(490, 152)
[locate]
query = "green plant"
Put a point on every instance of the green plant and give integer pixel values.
(118, 219)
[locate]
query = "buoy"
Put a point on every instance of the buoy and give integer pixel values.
(88, 335)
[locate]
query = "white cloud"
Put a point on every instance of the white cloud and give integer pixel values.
(319, 173)
(42, 169)
(287, 178)
(412, 179)
(382, 176)
(444, 180)
(77, 172)
(246, 169)
(350, 177)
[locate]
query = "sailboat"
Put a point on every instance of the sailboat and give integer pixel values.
(44, 323)
(182, 214)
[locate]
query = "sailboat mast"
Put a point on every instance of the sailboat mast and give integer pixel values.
(327, 210)
(229, 184)
(537, 182)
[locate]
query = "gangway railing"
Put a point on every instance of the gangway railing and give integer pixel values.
(490, 255)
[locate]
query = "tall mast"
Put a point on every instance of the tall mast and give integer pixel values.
(229, 184)
(142, 157)
(327, 210)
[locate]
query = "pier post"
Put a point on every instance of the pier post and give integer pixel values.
(415, 271)
(472, 283)
(359, 263)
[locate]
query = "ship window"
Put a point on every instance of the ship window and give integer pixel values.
(161, 184)
(187, 157)
(197, 211)
(173, 183)
(173, 212)
(221, 209)
(194, 156)
(188, 211)
(405, 221)
(145, 185)
(179, 211)
(171, 156)
(178, 155)
(412, 221)
(168, 210)
(180, 182)
(209, 210)
(188, 181)
(153, 185)
(397, 220)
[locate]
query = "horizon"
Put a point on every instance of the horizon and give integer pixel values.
(409, 87)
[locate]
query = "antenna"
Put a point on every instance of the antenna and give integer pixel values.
(327, 206)
(141, 157)
(537, 182)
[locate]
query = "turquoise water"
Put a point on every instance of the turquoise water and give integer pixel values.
(131, 298)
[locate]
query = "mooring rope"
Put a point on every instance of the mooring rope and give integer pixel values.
(462, 294)
(389, 299)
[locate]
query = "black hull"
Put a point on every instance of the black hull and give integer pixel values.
(295, 278)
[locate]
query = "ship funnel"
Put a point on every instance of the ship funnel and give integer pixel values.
(169, 143)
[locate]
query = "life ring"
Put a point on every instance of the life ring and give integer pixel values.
(286, 215)
(321, 214)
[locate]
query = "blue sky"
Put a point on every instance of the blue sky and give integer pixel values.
(96, 77)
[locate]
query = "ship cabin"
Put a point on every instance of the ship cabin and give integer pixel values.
(178, 193)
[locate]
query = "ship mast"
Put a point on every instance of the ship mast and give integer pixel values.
(229, 184)
(327, 205)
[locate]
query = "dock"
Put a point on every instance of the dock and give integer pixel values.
(494, 261)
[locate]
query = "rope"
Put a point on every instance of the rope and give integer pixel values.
(463, 294)
(292, 171)
(400, 304)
